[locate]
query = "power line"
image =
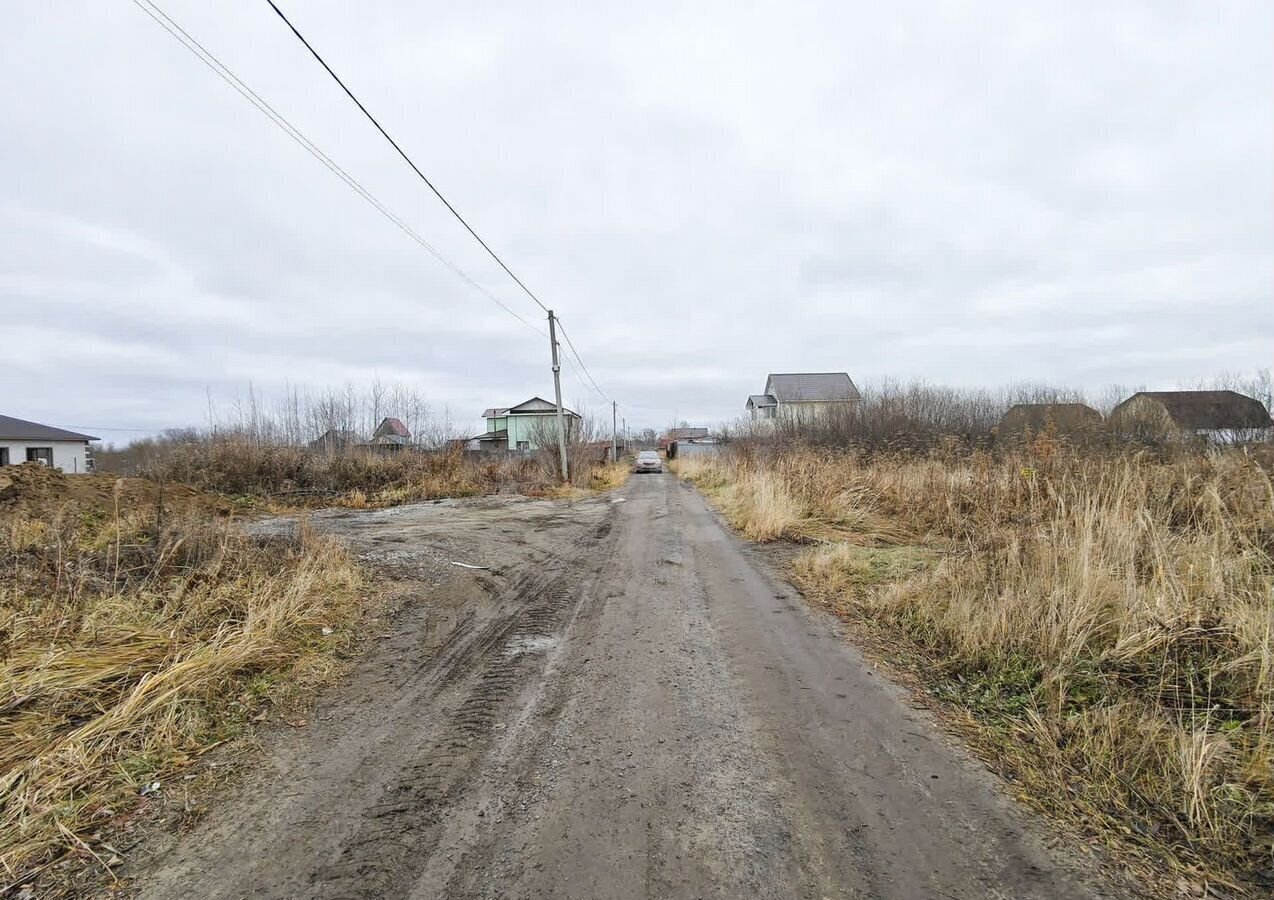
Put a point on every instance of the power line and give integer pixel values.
(227, 75)
(401, 153)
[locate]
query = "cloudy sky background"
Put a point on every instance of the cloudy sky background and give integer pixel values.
(966, 193)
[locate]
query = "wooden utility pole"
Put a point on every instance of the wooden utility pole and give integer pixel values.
(614, 432)
(557, 394)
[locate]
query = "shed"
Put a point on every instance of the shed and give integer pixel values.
(334, 440)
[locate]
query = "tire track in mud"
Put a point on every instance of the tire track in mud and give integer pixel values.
(476, 674)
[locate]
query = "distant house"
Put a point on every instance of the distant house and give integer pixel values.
(522, 427)
(695, 446)
(1218, 416)
(390, 436)
(22, 441)
(1065, 418)
(801, 394)
(334, 441)
(391, 431)
(684, 433)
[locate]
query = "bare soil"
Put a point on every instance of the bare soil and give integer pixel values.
(35, 487)
(624, 704)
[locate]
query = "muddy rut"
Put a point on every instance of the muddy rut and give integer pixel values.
(624, 704)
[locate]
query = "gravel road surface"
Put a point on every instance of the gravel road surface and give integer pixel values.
(625, 705)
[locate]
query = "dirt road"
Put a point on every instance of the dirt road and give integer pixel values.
(626, 706)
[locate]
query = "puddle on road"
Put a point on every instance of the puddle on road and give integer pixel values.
(529, 643)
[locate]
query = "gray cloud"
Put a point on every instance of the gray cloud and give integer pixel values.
(705, 192)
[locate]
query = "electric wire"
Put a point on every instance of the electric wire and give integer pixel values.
(205, 56)
(402, 153)
(246, 91)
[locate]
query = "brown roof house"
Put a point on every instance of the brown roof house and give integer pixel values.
(1067, 419)
(1218, 416)
(390, 436)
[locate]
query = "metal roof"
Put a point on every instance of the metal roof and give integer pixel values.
(760, 400)
(21, 430)
(391, 426)
(1207, 410)
(807, 387)
(534, 405)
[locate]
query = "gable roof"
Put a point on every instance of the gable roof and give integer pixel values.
(1207, 410)
(391, 426)
(533, 406)
(22, 430)
(335, 437)
(811, 387)
(758, 401)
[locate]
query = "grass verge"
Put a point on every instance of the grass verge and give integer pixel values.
(1101, 626)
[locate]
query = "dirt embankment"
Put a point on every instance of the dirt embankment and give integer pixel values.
(33, 488)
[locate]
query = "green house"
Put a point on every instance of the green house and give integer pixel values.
(527, 426)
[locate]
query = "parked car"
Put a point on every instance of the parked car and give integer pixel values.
(648, 461)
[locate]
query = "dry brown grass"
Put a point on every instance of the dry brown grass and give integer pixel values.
(127, 649)
(248, 471)
(607, 476)
(1106, 621)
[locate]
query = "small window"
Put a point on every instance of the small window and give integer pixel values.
(4, 456)
(524, 445)
(40, 455)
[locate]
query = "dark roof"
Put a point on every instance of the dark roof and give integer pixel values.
(1207, 410)
(390, 425)
(685, 434)
(336, 436)
(759, 400)
(1063, 416)
(501, 435)
(22, 430)
(811, 387)
(534, 405)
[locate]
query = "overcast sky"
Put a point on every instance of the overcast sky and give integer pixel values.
(970, 193)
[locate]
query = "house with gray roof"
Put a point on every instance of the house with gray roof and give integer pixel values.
(22, 441)
(526, 427)
(802, 394)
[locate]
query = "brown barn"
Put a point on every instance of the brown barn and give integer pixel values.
(1066, 418)
(1219, 416)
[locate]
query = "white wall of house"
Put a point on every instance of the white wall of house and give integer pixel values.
(802, 409)
(69, 456)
